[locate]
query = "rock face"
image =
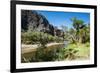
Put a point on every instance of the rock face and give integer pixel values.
(33, 21)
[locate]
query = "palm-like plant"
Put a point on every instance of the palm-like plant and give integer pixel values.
(80, 28)
(70, 54)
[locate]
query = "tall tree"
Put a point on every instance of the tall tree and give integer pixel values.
(78, 25)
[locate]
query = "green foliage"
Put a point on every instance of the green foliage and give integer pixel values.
(29, 37)
(80, 51)
(78, 38)
(80, 32)
(42, 55)
(72, 36)
(77, 23)
(87, 44)
(57, 54)
(38, 37)
(71, 54)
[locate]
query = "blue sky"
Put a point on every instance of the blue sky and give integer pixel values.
(63, 18)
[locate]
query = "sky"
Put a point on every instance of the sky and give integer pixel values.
(64, 18)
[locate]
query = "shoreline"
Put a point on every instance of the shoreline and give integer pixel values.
(29, 48)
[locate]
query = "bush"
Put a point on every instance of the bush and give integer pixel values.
(51, 55)
(38, 37)
(87, 44)
(71, 54)
(30, 37)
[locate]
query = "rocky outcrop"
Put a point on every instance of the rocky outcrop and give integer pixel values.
(33, 21)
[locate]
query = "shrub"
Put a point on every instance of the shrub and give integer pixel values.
(38, 37)
(87, 44)
(42, 55)
(71, 54)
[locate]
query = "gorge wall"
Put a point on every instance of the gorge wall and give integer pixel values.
(33, 21)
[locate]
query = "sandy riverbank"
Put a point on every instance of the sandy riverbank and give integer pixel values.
(30, 48)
